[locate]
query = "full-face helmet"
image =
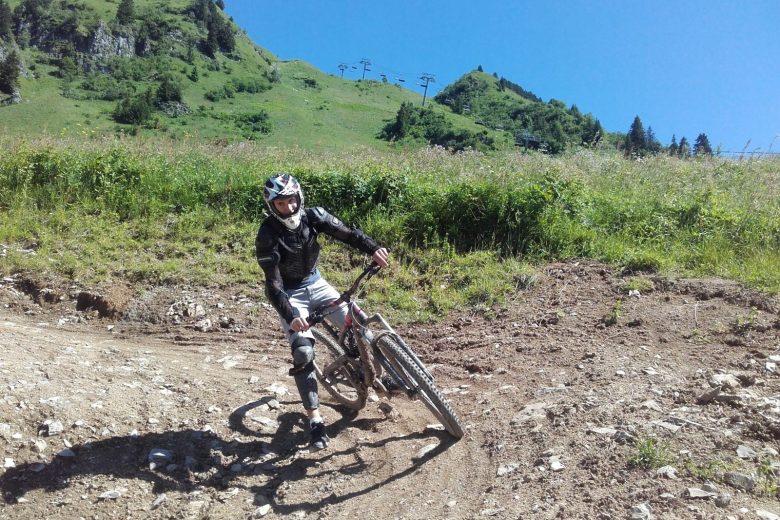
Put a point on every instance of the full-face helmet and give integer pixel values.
(284, 185)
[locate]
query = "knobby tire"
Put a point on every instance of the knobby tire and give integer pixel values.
(415, 377)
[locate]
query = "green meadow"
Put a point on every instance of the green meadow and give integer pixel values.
(465, 229)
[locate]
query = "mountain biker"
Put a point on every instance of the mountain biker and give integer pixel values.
(287, 250)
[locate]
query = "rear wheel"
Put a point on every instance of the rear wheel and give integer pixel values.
(338, 372)
(421, 385)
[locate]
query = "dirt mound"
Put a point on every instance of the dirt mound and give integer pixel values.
(590, 394)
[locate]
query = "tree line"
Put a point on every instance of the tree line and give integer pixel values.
(640, 142)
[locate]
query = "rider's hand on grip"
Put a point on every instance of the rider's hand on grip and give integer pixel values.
(299, 324)
(381, 256)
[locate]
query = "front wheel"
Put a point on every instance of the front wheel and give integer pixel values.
(338, 372)
(421, 385)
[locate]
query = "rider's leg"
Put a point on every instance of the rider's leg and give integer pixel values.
(303, 372)
(302, 347)
(306, 381)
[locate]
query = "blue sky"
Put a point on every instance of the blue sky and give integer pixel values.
(683, 67)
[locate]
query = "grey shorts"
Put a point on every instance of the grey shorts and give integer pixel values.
(306, 299)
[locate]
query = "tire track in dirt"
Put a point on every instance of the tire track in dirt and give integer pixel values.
(119, 396)
(543, 384)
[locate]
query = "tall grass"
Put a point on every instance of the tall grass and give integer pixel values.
(199, 202)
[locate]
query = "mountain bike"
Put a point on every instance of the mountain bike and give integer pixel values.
(367, 353)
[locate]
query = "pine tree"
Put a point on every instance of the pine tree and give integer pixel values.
(592, 131)
(404, 120)
(684, 149)
(636, 143)
(9, 73)
(672, 149)
(168, 91)
(125, 12)
(702, 145)
(652, 144)
(221, 4)
(200, 10)
(209, 46)
(6, 18)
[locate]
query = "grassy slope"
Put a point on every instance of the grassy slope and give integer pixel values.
(336, 114)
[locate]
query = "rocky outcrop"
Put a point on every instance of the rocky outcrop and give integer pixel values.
(104, 44)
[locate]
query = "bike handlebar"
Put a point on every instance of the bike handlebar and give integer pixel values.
(317, 316)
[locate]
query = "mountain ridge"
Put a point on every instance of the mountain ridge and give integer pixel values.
(185, 69)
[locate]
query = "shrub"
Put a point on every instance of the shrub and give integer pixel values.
(169, 90)
(254, 123)
(650, 454)
(134, 110)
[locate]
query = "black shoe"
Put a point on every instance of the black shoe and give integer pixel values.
(319, 438)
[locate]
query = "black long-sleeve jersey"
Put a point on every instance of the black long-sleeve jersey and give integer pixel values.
(289, 257)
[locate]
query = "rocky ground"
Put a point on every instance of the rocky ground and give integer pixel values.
(591, 394)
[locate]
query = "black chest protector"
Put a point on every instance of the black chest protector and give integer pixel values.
(289, 257)
(297, 252)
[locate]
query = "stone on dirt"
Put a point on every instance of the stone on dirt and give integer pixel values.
(388, 410)
(531, 412)
(766, 515)
(740, 481)
(278, 388)
(640, 512)
(261, 511)
(603, 431)
(425, 450)
(728, 381)
(622, 437)
(708, 396)
(159, 501)
(39, 445)
(667, 471)
(160, 455)
(723, 500)
(111, 494)
(203, 325)
(506, 469)
(52, 428)
(700, 493)
(746, 452)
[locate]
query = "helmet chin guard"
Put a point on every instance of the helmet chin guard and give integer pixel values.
(284, 185)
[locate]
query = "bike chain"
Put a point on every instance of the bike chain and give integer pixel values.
(351, 345)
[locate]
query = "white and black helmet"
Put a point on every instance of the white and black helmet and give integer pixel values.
(284, 185)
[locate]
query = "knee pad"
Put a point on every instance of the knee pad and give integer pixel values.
(303, 353)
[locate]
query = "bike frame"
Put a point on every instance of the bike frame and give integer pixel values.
(360, 323)
(380, 350)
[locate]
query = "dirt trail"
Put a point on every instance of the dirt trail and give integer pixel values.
(557, 400)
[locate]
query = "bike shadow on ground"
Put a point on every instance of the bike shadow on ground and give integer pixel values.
(197, 458)
(203, 459)
(293, 462)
